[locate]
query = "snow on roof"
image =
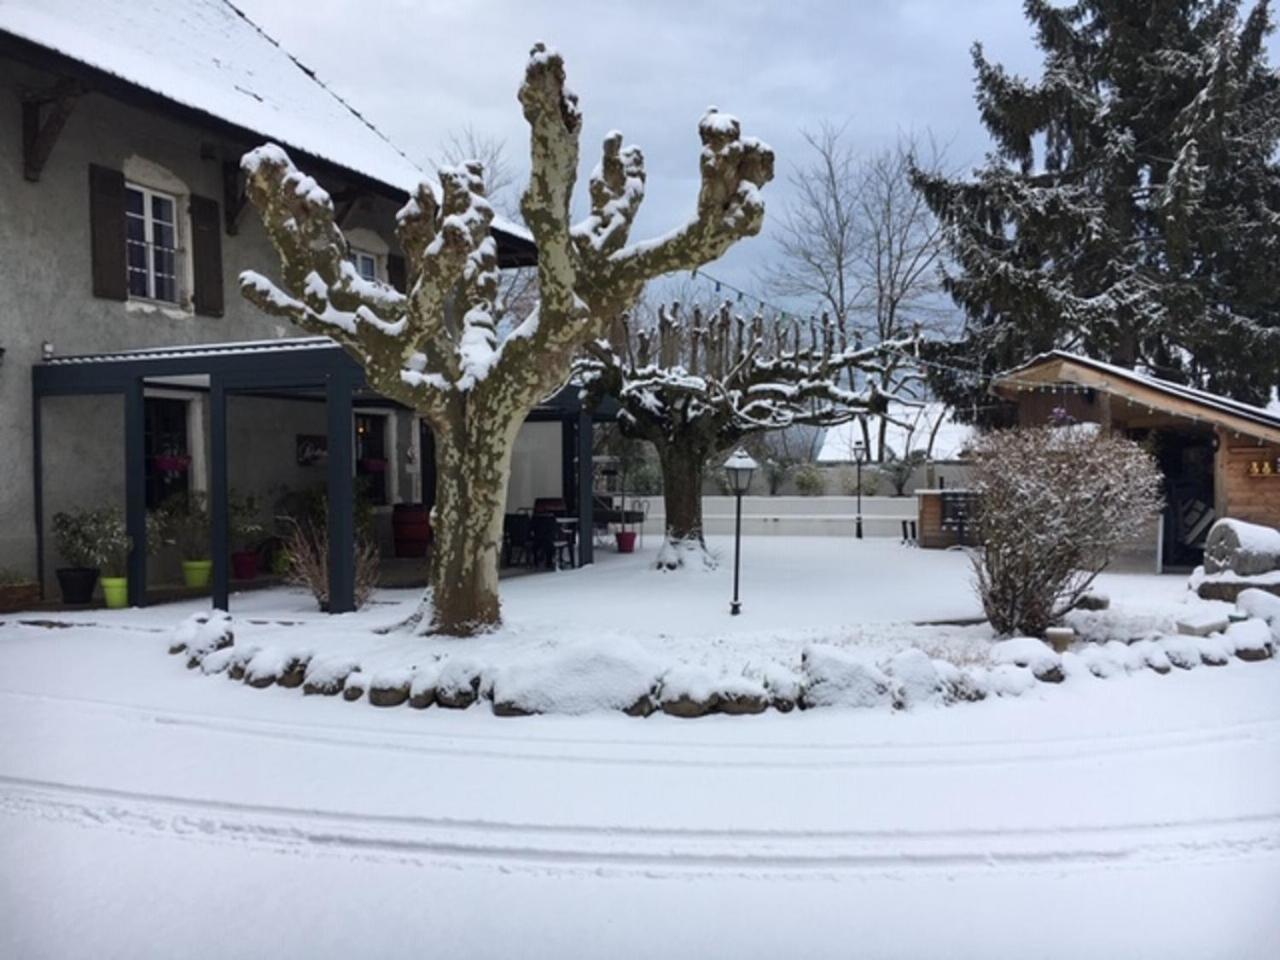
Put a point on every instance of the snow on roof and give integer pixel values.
(1268, 416)
(949, 441)
(207, 55)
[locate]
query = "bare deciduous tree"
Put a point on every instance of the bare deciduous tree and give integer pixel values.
(860, 243)
(437, 349)
(1053, 505)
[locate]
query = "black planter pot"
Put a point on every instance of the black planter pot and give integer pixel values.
(77, 584)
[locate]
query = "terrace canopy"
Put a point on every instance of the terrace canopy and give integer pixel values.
(315, 367)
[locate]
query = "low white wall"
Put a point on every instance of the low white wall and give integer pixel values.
(796, 516)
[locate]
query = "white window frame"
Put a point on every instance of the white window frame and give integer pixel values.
(148, 225)
(357, 254)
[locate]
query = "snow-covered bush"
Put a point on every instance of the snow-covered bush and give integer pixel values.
(1054, 503)
(809, 480)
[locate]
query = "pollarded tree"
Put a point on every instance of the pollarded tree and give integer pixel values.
(699, 387)
(437, 350)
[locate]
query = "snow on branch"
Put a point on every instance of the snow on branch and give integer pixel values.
(729, 376)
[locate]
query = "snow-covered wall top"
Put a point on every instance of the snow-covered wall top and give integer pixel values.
(206, 55)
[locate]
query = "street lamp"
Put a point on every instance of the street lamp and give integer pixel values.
(859, 454)
(738, 469)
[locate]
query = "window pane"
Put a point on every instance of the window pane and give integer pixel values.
(163, 236)
(137, 254)
(166, 288)
(133, 201)
(162, 209)
(137, 283)
(367, 266)
(135, 228)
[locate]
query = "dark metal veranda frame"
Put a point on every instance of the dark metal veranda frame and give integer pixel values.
(311, 363)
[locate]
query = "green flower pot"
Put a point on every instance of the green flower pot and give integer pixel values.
(115, 590)
(195, 573)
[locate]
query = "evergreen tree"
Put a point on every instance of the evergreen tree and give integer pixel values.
(1131, 208)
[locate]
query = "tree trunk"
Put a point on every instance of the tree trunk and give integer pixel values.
(473, 465)
(683, 468)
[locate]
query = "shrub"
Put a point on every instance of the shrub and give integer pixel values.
(307, 549)
(809, 480)
(898, 470)
(1053, 504)
(92, 538)
(245, 520)
(849, 481)
(183, 519)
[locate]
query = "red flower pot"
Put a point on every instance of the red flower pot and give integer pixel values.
(244, 564)
(626, 541)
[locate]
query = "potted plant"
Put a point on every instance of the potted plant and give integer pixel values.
(629, 457)
(114, 546)
(75, 533)
(185, 521)
(246, 532)
(17, 592)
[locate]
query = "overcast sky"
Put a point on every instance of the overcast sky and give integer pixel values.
(421, 68)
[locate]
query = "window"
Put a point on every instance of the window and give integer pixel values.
(371, 456)
(168, 463)
(366, 264)
(151, 237)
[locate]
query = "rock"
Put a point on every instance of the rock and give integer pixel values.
(1263, 605)
(643, 707)
(1093, 601)
(326, 676)
(742, 702)
(1201, 623)
(294, 672)
(1245, 549)
(1250, 640)
(389, 688)
(458, 683)
(916, 679)
(837, 677)
(1045, 665)
(1183, 652)
(1214, 652)
(355, 685)
(202, 633)
(1060, 638)
(459, 698)
(503, 708)
(260, 681)
(423, 698)
(783, 685)
(689, 707)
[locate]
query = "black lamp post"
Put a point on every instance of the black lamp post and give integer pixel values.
(859, 454)
(738, 468)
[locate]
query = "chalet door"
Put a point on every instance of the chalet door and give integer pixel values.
(1187, 463)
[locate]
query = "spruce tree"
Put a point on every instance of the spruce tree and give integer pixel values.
(1131, 208)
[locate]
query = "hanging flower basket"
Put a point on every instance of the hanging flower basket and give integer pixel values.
(173, 463)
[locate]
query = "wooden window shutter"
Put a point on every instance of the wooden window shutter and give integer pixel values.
(106, 233)
(395, 272)
(206, 256)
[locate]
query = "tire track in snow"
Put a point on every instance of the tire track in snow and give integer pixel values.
(653, 851)
(777, 754)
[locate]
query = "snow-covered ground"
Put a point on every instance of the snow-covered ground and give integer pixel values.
(149, 811)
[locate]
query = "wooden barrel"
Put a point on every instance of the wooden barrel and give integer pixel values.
(411, 529)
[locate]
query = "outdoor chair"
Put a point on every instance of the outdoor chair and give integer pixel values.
(550, 505)
(551, 541)
(516, 541)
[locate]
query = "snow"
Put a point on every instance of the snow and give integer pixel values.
(580, 678)
(1253, 537)
(209, 56)
(148, 810)
(906, 429)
